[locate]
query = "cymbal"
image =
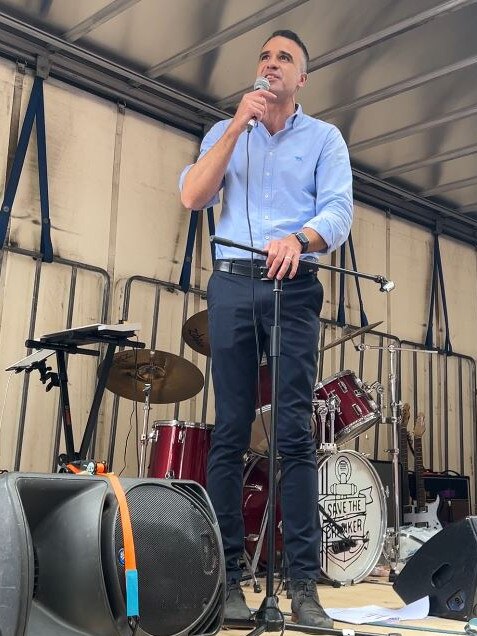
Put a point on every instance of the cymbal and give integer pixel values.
(171, 377)
(196, 332)
(349, 336)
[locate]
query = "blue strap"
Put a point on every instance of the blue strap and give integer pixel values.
(46, 247)
(211, 220)
(362, 313)
(341, 318)
(438, 280)
(35, 108)
(184, 280)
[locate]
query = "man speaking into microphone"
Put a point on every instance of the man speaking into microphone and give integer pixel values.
(287, 189)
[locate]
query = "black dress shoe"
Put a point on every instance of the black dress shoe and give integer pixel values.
(305, 605)
(235, 606)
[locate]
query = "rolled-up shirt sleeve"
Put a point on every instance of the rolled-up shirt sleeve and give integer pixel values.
(334, 192)
(208, 141)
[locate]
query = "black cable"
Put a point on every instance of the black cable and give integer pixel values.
(254, 316)
(133, 412)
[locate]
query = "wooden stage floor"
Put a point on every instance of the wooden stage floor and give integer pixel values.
(366, 593)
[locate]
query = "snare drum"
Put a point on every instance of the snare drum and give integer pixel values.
(356, 410)
(352, 496)
(179, 450)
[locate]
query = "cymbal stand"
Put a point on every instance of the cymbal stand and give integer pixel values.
(393, 549)
(144, 440)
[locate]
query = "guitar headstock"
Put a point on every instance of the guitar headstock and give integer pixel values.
(405, 413)
(420, 425)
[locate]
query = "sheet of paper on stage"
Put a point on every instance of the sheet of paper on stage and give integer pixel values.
(373, 613)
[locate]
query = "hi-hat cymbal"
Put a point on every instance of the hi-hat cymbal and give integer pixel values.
(349, 336)
(196, 332)
(171, 377)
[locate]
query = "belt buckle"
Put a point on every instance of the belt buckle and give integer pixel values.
(263, 273)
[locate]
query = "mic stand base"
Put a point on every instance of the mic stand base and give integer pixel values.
(270, 619)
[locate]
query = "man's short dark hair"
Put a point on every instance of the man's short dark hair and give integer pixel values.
(291, 35)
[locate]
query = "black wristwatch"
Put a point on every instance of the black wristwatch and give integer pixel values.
(303, 240)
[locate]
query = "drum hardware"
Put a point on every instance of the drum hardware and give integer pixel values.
(323, 408)
(145, 437)
(392, 543)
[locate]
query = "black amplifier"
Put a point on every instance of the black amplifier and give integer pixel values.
(453, 492)
(385, 474)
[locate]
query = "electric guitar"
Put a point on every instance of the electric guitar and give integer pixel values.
(423, 513)
(405, 496)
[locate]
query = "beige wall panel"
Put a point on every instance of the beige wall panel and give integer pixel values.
(410, 267)
(7, 71)
(152, 224)
(369, 239)
(80, 143)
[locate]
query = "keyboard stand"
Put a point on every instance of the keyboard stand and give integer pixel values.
(68, 343)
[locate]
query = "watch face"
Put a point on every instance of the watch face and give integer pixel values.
(303, 239)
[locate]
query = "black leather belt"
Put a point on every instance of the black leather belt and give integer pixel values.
(244, 267)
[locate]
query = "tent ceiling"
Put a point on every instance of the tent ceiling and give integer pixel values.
(398, 78)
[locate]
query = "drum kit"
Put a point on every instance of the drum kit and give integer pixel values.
(352, 502)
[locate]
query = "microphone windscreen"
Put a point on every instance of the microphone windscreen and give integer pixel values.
(261, 82)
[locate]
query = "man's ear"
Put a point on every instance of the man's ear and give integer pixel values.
(303, 80)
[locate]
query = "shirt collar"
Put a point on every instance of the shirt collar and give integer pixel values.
(295, 117)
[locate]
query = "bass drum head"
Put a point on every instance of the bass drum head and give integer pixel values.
(352, 495)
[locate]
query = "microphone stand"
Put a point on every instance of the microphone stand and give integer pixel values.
(269, 618)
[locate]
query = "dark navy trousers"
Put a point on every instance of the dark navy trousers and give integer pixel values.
(234, 372)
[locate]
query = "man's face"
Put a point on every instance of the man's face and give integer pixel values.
(282, 62)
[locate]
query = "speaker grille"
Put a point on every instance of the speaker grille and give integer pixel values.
(178, 560)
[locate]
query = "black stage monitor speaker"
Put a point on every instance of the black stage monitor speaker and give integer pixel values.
(61, 557)
(444, 569)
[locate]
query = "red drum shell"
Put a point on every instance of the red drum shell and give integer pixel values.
(356, 412)
(179, 450)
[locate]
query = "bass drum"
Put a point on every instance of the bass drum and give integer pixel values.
(351, 495)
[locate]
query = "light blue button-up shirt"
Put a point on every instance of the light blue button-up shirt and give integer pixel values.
(298, 177)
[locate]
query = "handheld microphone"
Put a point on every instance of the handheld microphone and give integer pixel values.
(260, 82)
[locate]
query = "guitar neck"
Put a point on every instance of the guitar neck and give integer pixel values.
(419, 474)
(405, 466)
